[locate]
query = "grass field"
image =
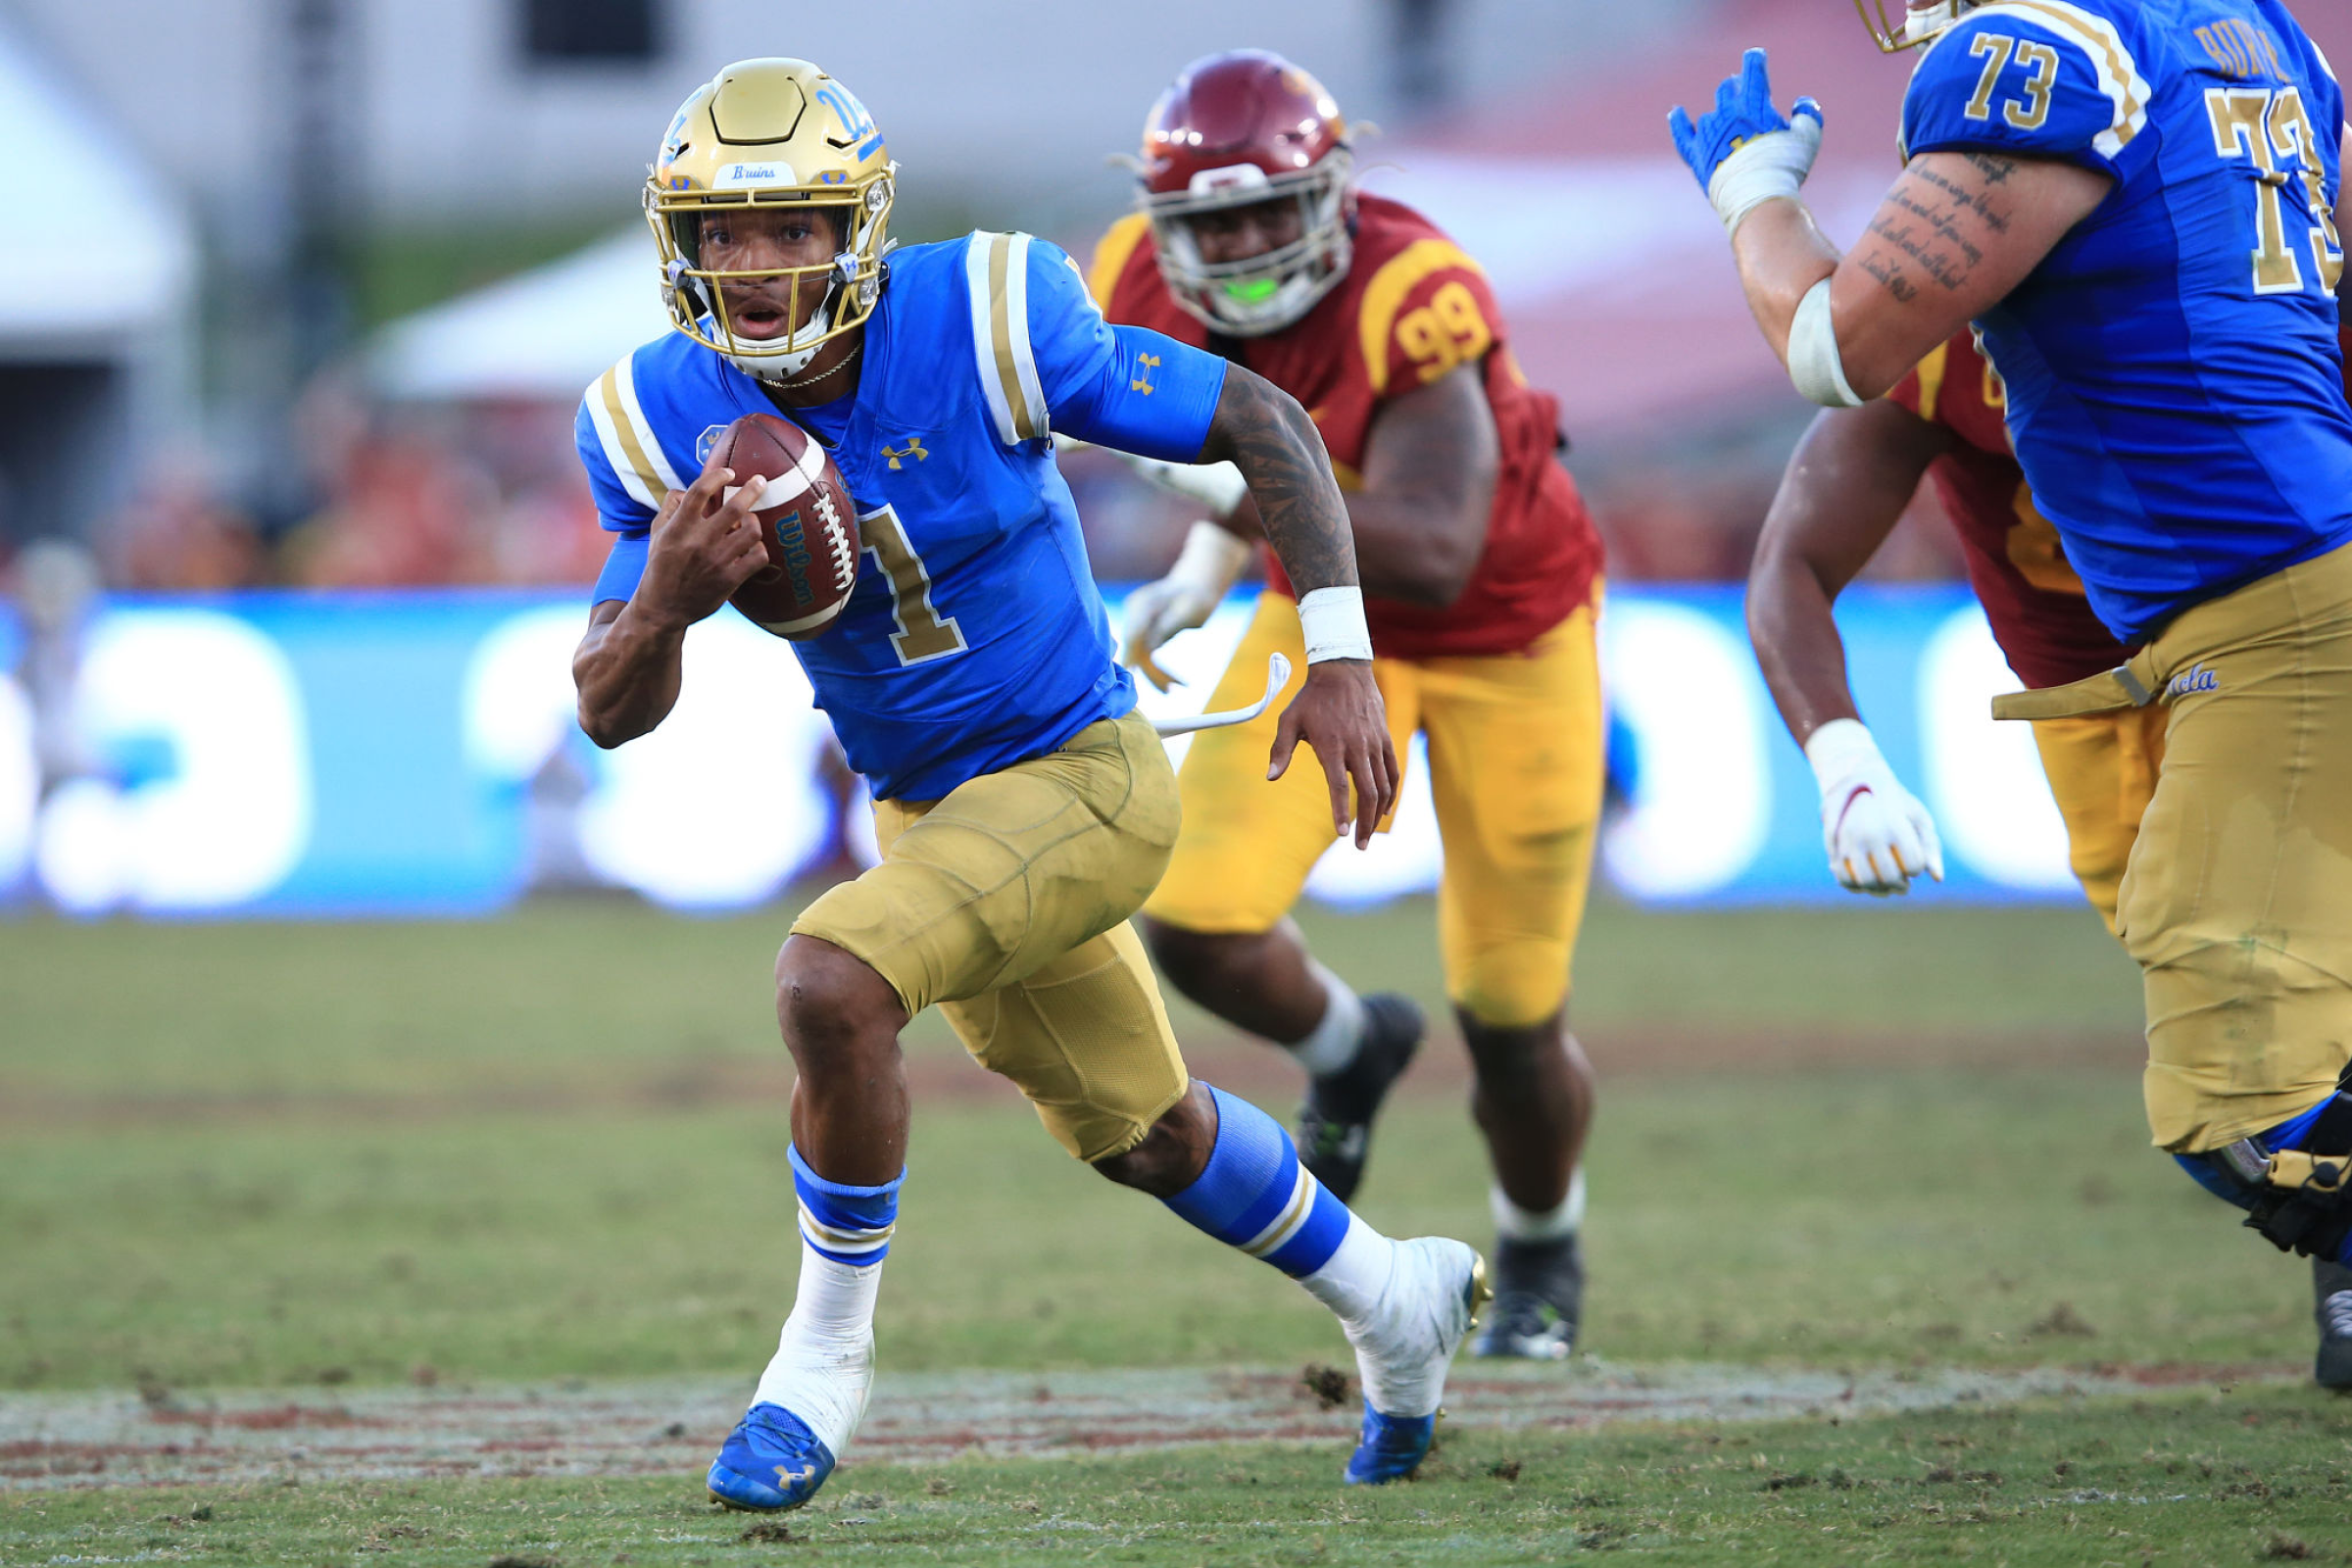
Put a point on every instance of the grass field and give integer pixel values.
(1875, 1141)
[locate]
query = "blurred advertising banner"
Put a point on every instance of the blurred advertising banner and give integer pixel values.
(326, 755)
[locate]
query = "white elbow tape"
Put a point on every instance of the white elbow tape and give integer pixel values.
(1333, 620)
(1815, 363)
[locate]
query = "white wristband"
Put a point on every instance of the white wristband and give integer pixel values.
(1815, 362)
(1333, 620)
(1837, 749)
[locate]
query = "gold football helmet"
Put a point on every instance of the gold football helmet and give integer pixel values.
(768, 134)
(1919, 24)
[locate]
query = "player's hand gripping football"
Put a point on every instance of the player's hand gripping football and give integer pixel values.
(1339, 713)
(706, 544)
(1744, 151)
(1878, 833)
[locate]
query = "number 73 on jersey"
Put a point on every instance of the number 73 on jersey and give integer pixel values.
(2271, 126)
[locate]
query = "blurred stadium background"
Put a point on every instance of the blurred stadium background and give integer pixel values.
(296, 302)
(289, 350)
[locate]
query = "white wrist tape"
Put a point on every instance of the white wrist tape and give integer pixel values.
(1333, 620)
(1815, 363)
(1838, 750)
(1212, 561)
(1771, 166)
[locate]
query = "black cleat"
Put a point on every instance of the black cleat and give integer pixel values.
(1335, 1125)
(1538, 1297)
(2332, 1283)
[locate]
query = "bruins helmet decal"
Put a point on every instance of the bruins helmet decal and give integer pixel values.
(767, 135)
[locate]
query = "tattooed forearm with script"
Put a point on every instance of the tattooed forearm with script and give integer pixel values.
(1957, 233)
(1262, 430)
(1932, 229)
(1954, 237)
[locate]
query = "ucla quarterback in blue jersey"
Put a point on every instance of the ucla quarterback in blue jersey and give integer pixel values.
(2134, 202)
(1022, 809)
(978, 639)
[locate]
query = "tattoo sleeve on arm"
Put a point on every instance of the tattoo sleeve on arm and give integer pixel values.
(1957, 233)
(1263, 430)
(1933, 230)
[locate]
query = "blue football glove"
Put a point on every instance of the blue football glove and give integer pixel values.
(1745, 152)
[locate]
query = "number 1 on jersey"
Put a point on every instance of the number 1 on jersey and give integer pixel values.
(923, 634)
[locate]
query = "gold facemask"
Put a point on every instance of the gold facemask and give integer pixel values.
(767, 134)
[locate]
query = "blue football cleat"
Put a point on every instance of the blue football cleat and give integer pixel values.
(1391, 1447)
(771, 1462)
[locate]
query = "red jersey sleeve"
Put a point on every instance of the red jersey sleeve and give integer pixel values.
(1918, 391)
(1426, 311)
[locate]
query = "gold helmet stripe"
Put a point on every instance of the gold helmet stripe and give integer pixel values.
(623, 448)
(996, 274)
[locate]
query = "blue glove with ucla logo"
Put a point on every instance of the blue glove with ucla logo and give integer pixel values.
(1745, 152)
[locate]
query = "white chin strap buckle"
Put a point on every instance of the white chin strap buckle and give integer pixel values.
(1278, 675)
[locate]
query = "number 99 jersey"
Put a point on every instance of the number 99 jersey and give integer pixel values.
(2175, 389)
(1412, 306)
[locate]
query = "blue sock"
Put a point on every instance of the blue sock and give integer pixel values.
(848, 1224)
(1254, 1195)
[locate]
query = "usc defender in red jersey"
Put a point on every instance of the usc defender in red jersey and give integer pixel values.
(1847, 484)
(1481, 575)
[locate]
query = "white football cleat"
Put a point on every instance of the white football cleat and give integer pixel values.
(1403, 1347)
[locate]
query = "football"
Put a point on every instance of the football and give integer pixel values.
(807, 518)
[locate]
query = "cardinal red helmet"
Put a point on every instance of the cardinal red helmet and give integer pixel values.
(1237, 129)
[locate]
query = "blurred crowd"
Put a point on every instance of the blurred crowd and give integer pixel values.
(404, 498)
(492, 494)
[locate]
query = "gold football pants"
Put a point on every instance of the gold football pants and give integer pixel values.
(1515, 768)
(2102, 772)
(1006, 905)
(2237, 903)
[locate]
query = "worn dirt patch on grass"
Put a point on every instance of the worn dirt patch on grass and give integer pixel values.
(673, 1426)
(934, 1075)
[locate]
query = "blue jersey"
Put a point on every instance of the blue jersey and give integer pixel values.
(974, 637)
(2176, 385)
